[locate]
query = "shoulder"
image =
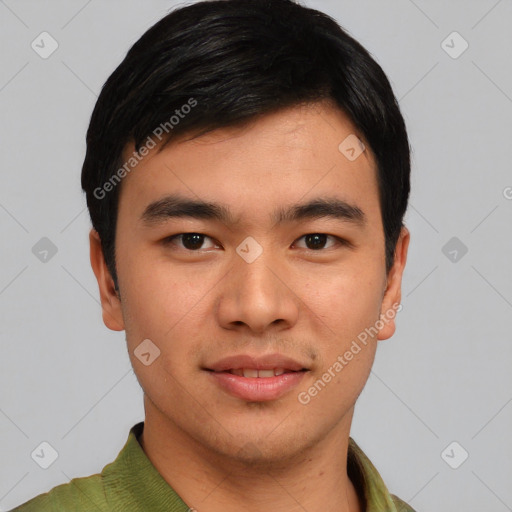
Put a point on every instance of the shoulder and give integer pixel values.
(400, 505)
(84, 494)
(100, 492)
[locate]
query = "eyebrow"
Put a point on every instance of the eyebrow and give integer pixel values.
(177, 206)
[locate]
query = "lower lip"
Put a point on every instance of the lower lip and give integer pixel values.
(257, 389)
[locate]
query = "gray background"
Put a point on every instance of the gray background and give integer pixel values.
(445, 376)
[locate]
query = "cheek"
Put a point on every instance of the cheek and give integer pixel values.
(155, 299)
(346, 302)
(350, 308)
(168, 309)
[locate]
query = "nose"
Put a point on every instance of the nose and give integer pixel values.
(257, 296)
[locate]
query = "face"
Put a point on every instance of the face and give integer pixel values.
(261, 296)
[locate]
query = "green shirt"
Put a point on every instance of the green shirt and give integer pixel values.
(132, 484)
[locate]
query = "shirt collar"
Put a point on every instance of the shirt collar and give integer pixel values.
(369, 485)
(134, 481)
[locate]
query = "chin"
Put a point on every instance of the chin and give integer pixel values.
(263, 452)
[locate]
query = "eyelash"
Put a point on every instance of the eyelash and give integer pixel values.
(170, 240)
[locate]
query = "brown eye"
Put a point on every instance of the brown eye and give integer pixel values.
(189, 241)
(192, 241)
(317, 241)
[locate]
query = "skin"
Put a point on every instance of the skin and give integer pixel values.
(215, 450)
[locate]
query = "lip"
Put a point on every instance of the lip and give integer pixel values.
(257, 389)
(266, 362)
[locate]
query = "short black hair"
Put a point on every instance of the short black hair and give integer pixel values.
(232, 61)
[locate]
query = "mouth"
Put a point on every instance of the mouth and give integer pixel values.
(257, 379)
(259, 374)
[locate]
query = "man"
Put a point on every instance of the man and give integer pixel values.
(247, 174)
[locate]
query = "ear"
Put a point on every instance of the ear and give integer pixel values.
(110, 301)
(393, 293)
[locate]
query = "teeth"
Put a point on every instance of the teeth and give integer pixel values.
(250, 372)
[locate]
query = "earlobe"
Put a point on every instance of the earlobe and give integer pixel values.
(393, 294)
(110, 302)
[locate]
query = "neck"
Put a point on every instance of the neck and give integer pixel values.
(211, 482)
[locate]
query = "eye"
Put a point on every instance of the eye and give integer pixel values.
(189, 241)
(317, 241)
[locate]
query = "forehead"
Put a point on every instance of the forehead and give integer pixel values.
(280, 158)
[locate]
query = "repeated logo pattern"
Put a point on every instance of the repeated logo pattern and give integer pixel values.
(444, 376)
